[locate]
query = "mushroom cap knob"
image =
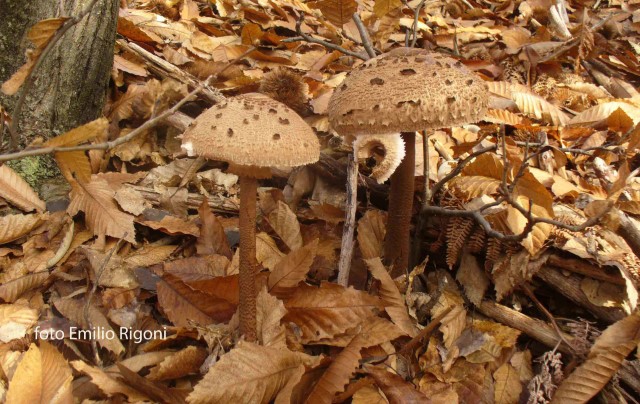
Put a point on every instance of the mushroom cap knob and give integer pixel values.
(252, 130)
(407, 90)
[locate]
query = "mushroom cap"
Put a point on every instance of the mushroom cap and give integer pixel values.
(252, 130)
(407, 90)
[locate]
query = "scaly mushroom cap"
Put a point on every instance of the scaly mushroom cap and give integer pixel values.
(252, 130)
(407, 90)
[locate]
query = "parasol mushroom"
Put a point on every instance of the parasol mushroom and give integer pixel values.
(253, 133)
(405, 90)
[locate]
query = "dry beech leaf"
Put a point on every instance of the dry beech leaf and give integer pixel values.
(103, 217)
(384, 7)
(108, 383)
(329, 310)
(369, 395)
(80, 134)
(182, 363)
(393, 300)
(503, 116)
(394, 387)
(507, 385)
(13, 227)
(339, 12)
(252, 374)
(472, 278)
(268, 318)
(74, 310)
(183, 303)
(15, 320)
(291, 270)
(212, 239)
(285, 223)
(18, 192)
(373, 331)
(371, 232)
(153, 390)
(605, 358)
(74, 166)
(173, 226)
(42, 376)
(10, 291)
(602, 112)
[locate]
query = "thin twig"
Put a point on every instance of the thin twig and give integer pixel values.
(308, 38)
(546, 312)
(92, 292)
(346, 250)
(410, 346)
(414, 28)
(111, 144)
(28, 82)
(364, 35)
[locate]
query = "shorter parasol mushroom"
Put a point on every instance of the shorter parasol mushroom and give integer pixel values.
(253, 133)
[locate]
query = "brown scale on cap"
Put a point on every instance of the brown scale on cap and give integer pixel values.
(407, 90)
(252, 130)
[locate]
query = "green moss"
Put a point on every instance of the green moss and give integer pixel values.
(35, 169)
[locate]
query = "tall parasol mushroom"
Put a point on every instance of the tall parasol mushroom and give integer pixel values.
(253, 133)
(405, 90)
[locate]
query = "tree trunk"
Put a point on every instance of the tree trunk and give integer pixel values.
(71, 84)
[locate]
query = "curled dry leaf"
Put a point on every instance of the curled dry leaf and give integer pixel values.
(103, 217)
(13, 227)
(15, 320)
(74, 310)
(393, 300)
(10, 291)
(329, 310)
(108, 383)
(183, 303)
(268, 318)
(371, 231)
(394, 387)
(373, 331)
(182, 363)
(252, 374)
(605, 358)
(291, 270)
(42, 376)
(285, 223)
(18, 192)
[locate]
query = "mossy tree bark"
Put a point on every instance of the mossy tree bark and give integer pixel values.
(71, 84)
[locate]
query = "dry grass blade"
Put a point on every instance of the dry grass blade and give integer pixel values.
(605, 358)
(18, 192)
(252, 374)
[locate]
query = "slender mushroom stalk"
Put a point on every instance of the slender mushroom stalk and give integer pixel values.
(248, 264)
(253, 133)
(405, 90)
(397, 239)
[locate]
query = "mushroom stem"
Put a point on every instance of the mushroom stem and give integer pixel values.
(397, 240)
(346, 250)
(246, 278)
